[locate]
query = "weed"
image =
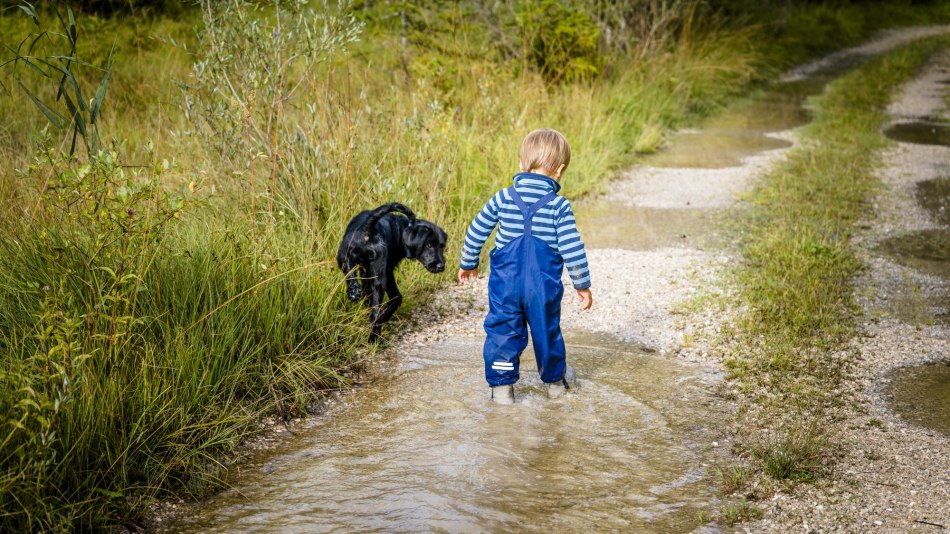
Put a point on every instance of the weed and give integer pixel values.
(733, 513)
(792, 453)
(733, 478)
(76, 112)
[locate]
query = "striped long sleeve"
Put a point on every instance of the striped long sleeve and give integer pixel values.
(571, 248)
(554, 224)
(479, 231)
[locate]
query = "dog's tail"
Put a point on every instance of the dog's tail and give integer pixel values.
(370, 224)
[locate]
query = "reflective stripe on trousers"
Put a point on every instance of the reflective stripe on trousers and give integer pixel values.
(524, 291)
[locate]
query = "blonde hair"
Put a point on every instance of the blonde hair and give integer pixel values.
(545, 149)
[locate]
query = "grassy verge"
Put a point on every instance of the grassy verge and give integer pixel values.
(796, 284)
(151, 313)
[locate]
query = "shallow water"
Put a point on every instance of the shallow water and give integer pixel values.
(920, 132)
(925, 250)
(934, 196)
(617, 225)
(922, 394)
(422, 450)
(740, 131)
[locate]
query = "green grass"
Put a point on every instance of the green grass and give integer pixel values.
(732, 513)
(796, 283)
(133, 362)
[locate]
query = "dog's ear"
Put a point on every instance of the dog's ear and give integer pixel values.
(414, 236)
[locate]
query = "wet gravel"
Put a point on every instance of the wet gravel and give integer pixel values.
(893, 476)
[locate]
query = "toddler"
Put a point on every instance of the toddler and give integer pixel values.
(537, 237)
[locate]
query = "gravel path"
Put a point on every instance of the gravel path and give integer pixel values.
(887, 40)
(894, 476)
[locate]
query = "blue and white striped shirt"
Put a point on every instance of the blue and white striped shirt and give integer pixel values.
(554, 224)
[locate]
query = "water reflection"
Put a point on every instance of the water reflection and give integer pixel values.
(922, 394)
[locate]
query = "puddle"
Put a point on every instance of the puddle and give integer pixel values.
(922, 395)
(712, 149)
(618, 225)
(921, 133)
(909, 305)
(924, 250)
(423, 450)
(934, 196)
(740, 131)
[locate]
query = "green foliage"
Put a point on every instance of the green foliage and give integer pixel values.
(76, 113)
(251, 61)
(38, 389)
(72, 275)
(560, 39)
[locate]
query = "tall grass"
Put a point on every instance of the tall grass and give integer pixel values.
(129, 374)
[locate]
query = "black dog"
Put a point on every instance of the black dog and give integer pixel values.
(374, 244)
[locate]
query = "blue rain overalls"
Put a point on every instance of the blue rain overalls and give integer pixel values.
(524, 287)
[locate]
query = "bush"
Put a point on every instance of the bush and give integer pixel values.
(560, 40)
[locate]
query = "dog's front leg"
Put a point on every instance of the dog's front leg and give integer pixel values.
(395, 298)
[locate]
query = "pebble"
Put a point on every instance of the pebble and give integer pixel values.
(899, 468)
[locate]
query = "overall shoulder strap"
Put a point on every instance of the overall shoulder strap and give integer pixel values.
(526, 212)
(513, 193)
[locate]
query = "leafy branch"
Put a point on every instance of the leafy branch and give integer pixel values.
(70, 110)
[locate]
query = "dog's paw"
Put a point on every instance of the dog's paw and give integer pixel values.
(354, 292)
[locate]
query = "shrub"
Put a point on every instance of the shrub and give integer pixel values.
(560, 40)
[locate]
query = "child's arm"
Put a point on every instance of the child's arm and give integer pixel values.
(478, 232)
(571, 248)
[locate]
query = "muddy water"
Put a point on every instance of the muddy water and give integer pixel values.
(744, 129)
(934, 196)
(925, 250)
(922, 395)
(739, 132)
(422, 450)
(920, 132)
(616, 225)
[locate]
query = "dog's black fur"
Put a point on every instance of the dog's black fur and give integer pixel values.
(373, 245)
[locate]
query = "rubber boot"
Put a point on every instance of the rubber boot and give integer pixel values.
(503, 394)
(558, 389)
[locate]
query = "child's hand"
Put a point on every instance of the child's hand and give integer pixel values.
(467, 275)
(587, 300)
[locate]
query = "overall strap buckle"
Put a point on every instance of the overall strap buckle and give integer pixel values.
(528, 212)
